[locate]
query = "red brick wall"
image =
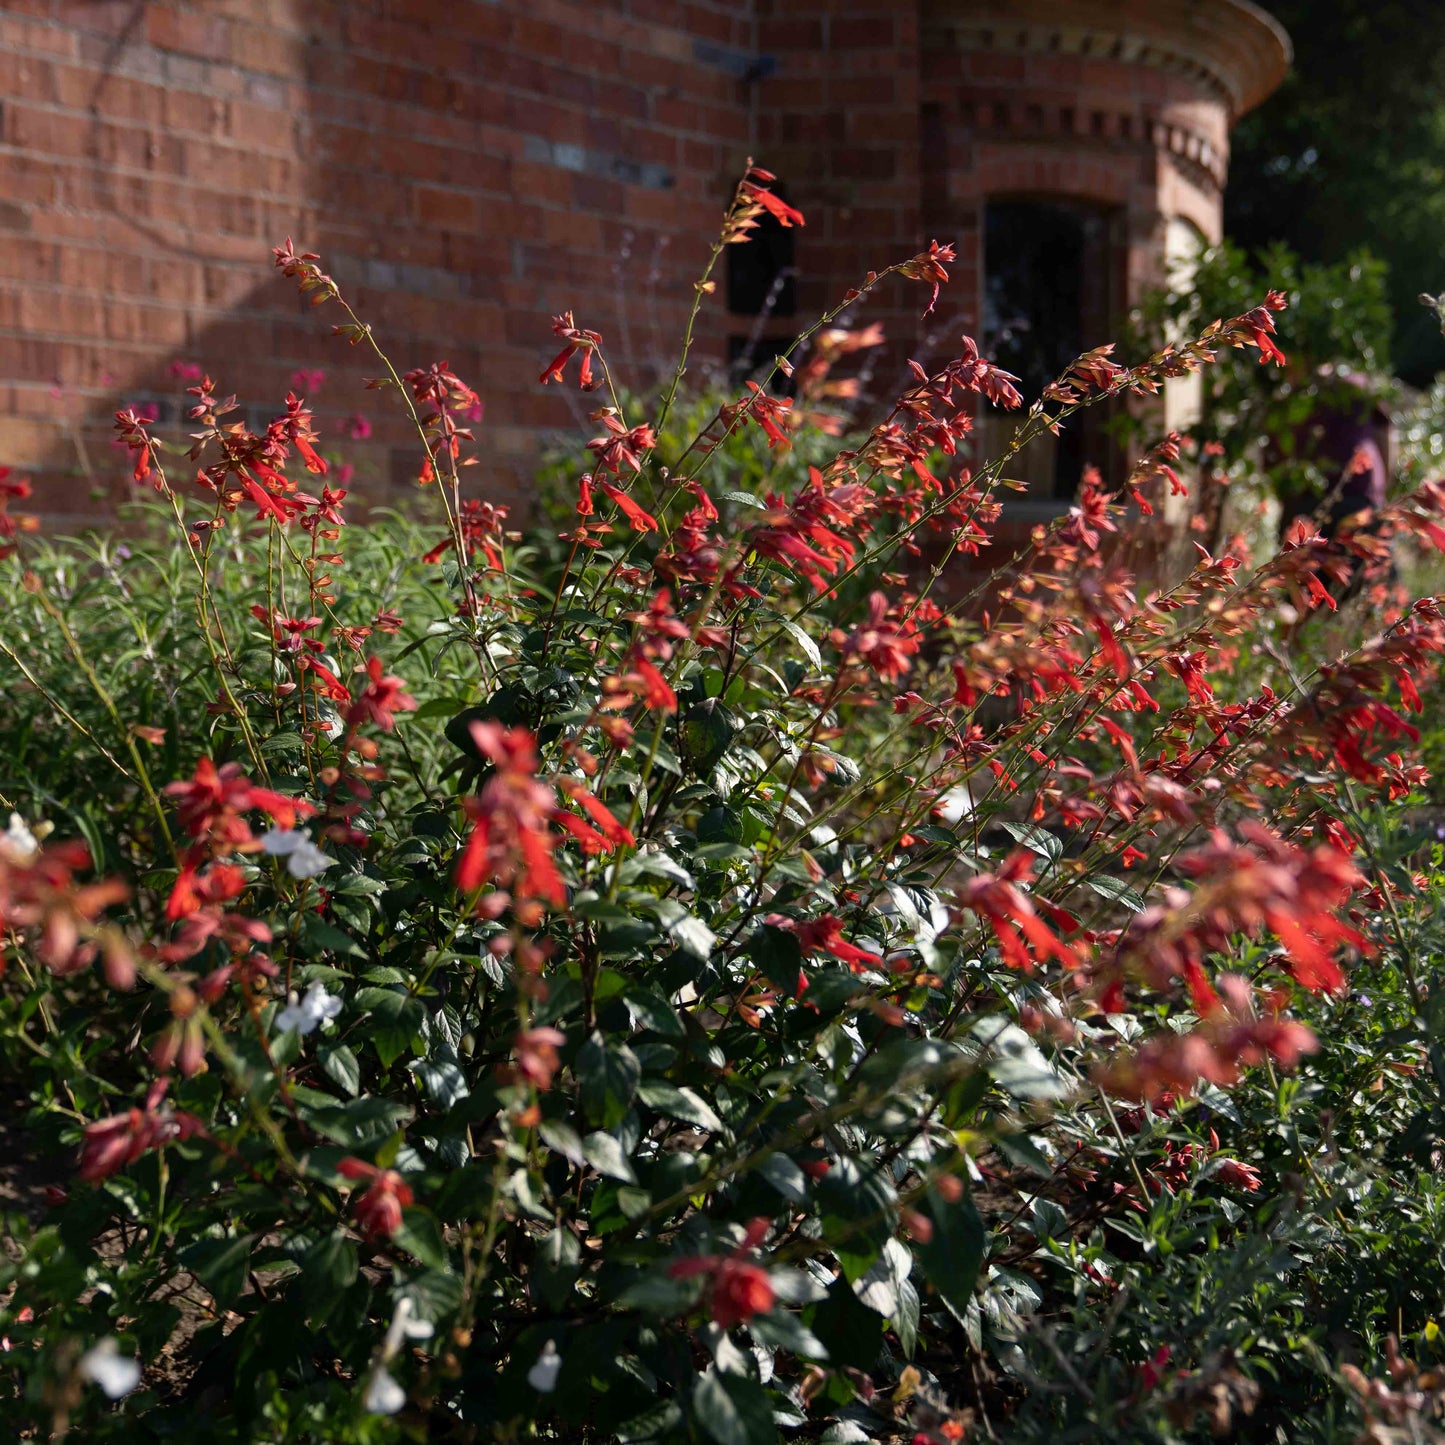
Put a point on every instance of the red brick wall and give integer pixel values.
(839, 118)
(465, 170)
(468, 169)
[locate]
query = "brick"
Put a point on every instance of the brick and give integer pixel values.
(466, 171)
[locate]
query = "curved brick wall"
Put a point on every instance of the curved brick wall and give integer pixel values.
(466, 177)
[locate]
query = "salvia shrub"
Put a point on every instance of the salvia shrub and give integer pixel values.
(717, 978)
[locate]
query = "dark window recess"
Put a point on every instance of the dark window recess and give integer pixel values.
(761, 271)
(1050, 290)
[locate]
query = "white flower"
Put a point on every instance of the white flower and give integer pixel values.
(19, 839)
(104, 1365)
(383, 1395)
(956, 804)
(404, 1327)
(542, 1377)
(314, 1011)
(303, 858)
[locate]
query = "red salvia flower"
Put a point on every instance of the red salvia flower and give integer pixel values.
(380, 700)
(885, 645)
(638, 518)
(769, 412)
(579, 342)
(929, 267)
(739, 1289)
(825, 935)
(210, 803)
(511, 843)
(1238, 1175)
(622, 446)
(1009, 911)
(327, 683)
(379, 1206)
(110, 1144)
(754, 188)
(536, 1051)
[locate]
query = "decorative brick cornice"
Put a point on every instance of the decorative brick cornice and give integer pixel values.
(995, 116)
(1230, 48)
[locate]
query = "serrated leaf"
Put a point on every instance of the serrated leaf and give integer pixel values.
(220, 1265)
(564, 1139)
(678, 1103)
(607, 1156)
(341, 1067)
(608, 1074)
(954, 1252)
(1116, 891)
(806, 645)
(420, 1235)
(1035, 839)
(743, 499)
(443, 1080)
(733, 1410)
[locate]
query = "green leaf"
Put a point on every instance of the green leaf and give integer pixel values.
(786, 1177)
(733, 1410)
(657, 1293)
(880, 1289)
(954, 1253)
(808, 647)
(665, 1098)
(658, 1423)
(704, 733)
(421, 1235)
(650, 1010)
(1116, 891)
(778, 954)
(557, 1267)
(859, 1206)
(1035, 839)
(743, 499)
(328, 1268)
(608, 1074)
(1015, 1063)
(361, 1124)
(563, 1139)
(442, 1080)
(782, 1330)
(434, 1293)
(847, 1328)
(220, 1265)
(607, 1156)
(341, 1067)
(316, 937)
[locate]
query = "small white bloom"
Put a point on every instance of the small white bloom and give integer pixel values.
(19, 839)
(314, 1011)
(303, 858)
(404, 1327)
(956, 804)
(542, 1377)
(383, 1395)
(104, 1365)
